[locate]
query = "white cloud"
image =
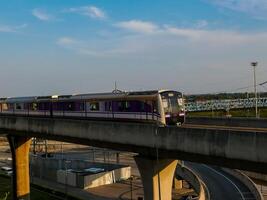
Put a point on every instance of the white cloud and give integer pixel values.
(201, 24)
(195, 60)
(42, 15)
(138, 26)
(141, 44)
(188, 33)
(5, 28)
(66, 41)
(254, 8)
(12, 29)
(91, 11)
(196, 34)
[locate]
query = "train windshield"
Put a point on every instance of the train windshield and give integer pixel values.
(172, 101)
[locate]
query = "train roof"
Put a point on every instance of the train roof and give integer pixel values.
(149, 94)
(2, 99)
(116, 95)
(20, 99)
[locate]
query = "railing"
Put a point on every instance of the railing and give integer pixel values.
(224, 104)
(199, 186)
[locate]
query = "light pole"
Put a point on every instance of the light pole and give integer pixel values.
(254, 64)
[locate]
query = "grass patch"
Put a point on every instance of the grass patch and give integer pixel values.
(5, 187)
(37, 192)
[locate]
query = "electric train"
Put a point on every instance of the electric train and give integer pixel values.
(165, 107)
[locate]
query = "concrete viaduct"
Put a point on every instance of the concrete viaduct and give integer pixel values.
(159, 148)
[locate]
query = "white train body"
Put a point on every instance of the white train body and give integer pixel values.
(163, 107)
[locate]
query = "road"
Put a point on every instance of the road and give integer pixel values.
(220, 184)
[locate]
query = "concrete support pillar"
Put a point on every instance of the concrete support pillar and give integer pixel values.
(20, 147)
(157, 177)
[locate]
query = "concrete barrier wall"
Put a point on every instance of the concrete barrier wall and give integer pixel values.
(247, 181)
(66, 177)
(99, 179)
(191, 177)
(55, 163)
(122, 173)
(228, 121)
(57, 170)
(104, 178)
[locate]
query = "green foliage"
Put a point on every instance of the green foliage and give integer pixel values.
(5, 188)
(5, 191)
(219, 96)
(6, 195)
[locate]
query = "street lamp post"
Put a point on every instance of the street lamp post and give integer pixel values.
(254, 64)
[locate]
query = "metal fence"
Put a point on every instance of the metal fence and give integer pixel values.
(225, 104)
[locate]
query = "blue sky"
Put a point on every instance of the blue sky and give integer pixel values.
(79, 46)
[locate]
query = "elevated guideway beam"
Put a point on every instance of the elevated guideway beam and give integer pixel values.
(242, 149)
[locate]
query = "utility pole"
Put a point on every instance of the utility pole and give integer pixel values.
(254, 65)
(115, 86)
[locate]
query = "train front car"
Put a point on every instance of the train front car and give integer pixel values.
(173, 107)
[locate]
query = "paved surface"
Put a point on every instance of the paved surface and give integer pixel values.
(262, 186)
(221, 185)
(217, 181)
(118, 191)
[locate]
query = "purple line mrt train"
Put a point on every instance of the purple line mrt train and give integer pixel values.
(161, 106)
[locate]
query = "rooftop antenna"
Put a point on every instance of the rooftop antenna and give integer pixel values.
(116, 89)
(115, 86)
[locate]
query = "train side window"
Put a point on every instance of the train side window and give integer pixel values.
(34, 106)
(124, 106)
(10, 106)
(82, 105)
(120, 106)
(127, 105)
(142, 107)
(108, 106)
(94, 106)
(69, 107)
(26, 106)
(18, 106)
